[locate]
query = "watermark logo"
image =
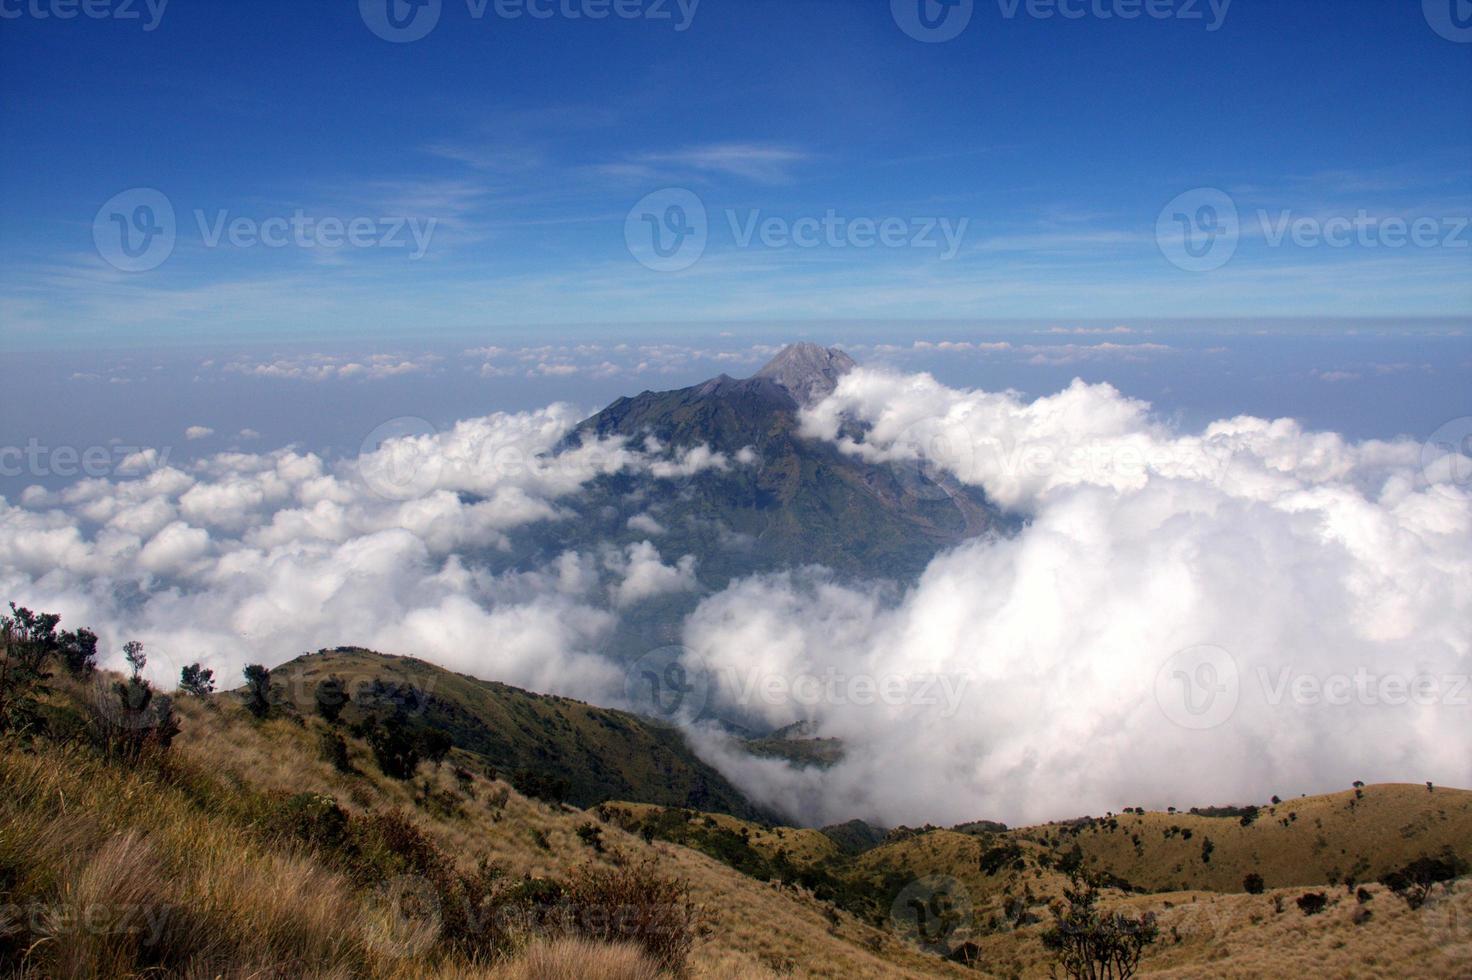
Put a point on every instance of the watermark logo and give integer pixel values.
(1451, 19)
(1447, 917)
(932, 21)
(1363, 687)
(929, 911)
(149, 12)
(1446, 457)
(399, 460)
(135, 231)
(95, 462)
(400, 21)
(403, 21)
(1198, 231)
(664, 684)
(667, 231)
(835, 231)
(834, 688)
(1198, 687)
(943, 451)
(1363, 230)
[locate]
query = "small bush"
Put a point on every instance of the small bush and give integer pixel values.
(1312, 903)
(540, 786)
(634, 905)
(334, 749)
(592, 835)
(331, 695)
(1089, 943)
(257, 690)
(197, 681)
(1415, 881)
(130, 719)
(394, 749)
(1253, 884)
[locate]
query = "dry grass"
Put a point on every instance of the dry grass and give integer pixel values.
(179, 869)
(578, 959)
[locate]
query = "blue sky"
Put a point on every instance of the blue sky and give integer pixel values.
(1048, 147)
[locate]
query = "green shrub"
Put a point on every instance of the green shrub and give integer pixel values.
(196, 680)
(257, 690)
(1089, 943)
(1312, 903)
(334, 749)
(634, 904)
(331, 696)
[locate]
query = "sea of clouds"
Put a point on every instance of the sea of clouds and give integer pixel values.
(1182, 618)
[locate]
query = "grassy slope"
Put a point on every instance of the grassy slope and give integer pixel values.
(604, 754)
(79, 832)
(753, 927)
(1210, 927)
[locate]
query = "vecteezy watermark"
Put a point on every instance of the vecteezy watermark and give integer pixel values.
(934, 21)
(399, 460)
(834, 230)
(1200, 230)
(1446, 457)
(1198, 687)
(61, 920)
(1451, 19)
(1364, 230)
(833, 688)
(929, 911)
(1362, 687)
(137, 230)
(149, 13)
(669, 230)
(40, 460)
(403, 21)
(1201, 687)
(301, 230)
(667, 683)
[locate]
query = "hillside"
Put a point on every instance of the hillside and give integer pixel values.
(251, 838)
(602, 754)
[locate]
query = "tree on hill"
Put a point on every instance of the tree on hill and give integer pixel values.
(1415, 881)
(29, 641)
(258, 690)
(196, 680)
(1090, 944)
(331, 695)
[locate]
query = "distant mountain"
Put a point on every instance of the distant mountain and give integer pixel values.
(794, 501)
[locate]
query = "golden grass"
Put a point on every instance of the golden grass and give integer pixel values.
(122, 869)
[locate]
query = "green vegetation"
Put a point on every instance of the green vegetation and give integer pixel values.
(1091, 944)
(543, 741)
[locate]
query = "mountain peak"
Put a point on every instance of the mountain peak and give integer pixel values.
(808, 371)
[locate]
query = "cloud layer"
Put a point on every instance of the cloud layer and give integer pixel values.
(1183, 618)
(1311, 571)
(258, 557)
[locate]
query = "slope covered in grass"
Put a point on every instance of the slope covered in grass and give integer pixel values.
(603, 754)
